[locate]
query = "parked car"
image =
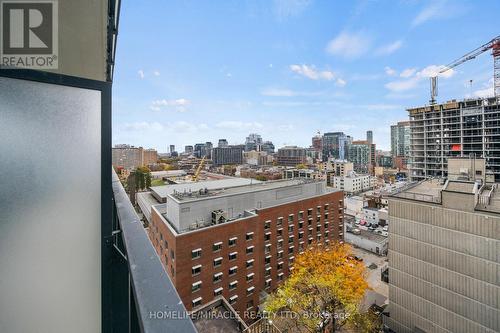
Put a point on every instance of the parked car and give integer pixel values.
(363, 222)
(385, 233)
(385, 228)
(356, 231)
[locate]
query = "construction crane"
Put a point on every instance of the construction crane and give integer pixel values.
(198, 170)
(494, 46)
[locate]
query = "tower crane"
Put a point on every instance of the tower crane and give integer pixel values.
(494, 46)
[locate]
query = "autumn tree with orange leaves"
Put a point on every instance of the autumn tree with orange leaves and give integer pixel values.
(327, 285)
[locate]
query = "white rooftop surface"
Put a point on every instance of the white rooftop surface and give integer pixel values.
(165, 190)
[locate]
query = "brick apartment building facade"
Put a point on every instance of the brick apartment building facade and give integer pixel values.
(240, 258)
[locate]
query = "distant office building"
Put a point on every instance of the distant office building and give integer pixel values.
(334, 145)
(172, 148)
(200, 150)
(400, 144)
(252, 142)
(291, 156)
(228, 155)
(300, 174)
(219, 239)
(130, 157)
(188, 149)
(267, 146)
(222, 143)
(443, 256)
(208, 149)
(369, 136)
(313, 155)
(360, 156)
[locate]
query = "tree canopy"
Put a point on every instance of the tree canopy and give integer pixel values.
(325, 281)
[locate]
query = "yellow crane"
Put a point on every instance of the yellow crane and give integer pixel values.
(198, 170)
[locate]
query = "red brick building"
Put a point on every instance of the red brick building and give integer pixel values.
(249, 253)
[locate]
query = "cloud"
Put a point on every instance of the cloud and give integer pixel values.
(438, 10)
(238, 125)
(389, 48)
(433, 70)
(143, 126)
(402, 85)
(312, 73)
(488, 91)
(156, 73)
(413, 81)
(349, 45)
(389, 71)
(289, 8)
(340, 82)
(179, 105)
(141, 73)
(408, 72)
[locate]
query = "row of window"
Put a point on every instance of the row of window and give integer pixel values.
(196, 286)
(195, 270)
(216, 247)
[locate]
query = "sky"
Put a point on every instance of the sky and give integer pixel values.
(196, 71)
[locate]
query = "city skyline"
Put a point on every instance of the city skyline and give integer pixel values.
(288, 69)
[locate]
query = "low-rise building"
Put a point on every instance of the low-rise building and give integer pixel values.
(353, 183)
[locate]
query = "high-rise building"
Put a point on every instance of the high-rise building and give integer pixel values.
(253, 141)
(291, 156)
(360, 155)
(240, 240)
(172, 148)
(400, 143)
(369, 136)
(222, 143)
(200, 150)
(454, 129)
(443, 254)
(334, 145)
(208, 149)
(228, 155)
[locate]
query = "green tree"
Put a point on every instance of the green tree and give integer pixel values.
(324, 281)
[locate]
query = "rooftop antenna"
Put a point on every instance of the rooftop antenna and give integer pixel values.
(470, 87)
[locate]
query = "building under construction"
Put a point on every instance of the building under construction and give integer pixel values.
(451, 129)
